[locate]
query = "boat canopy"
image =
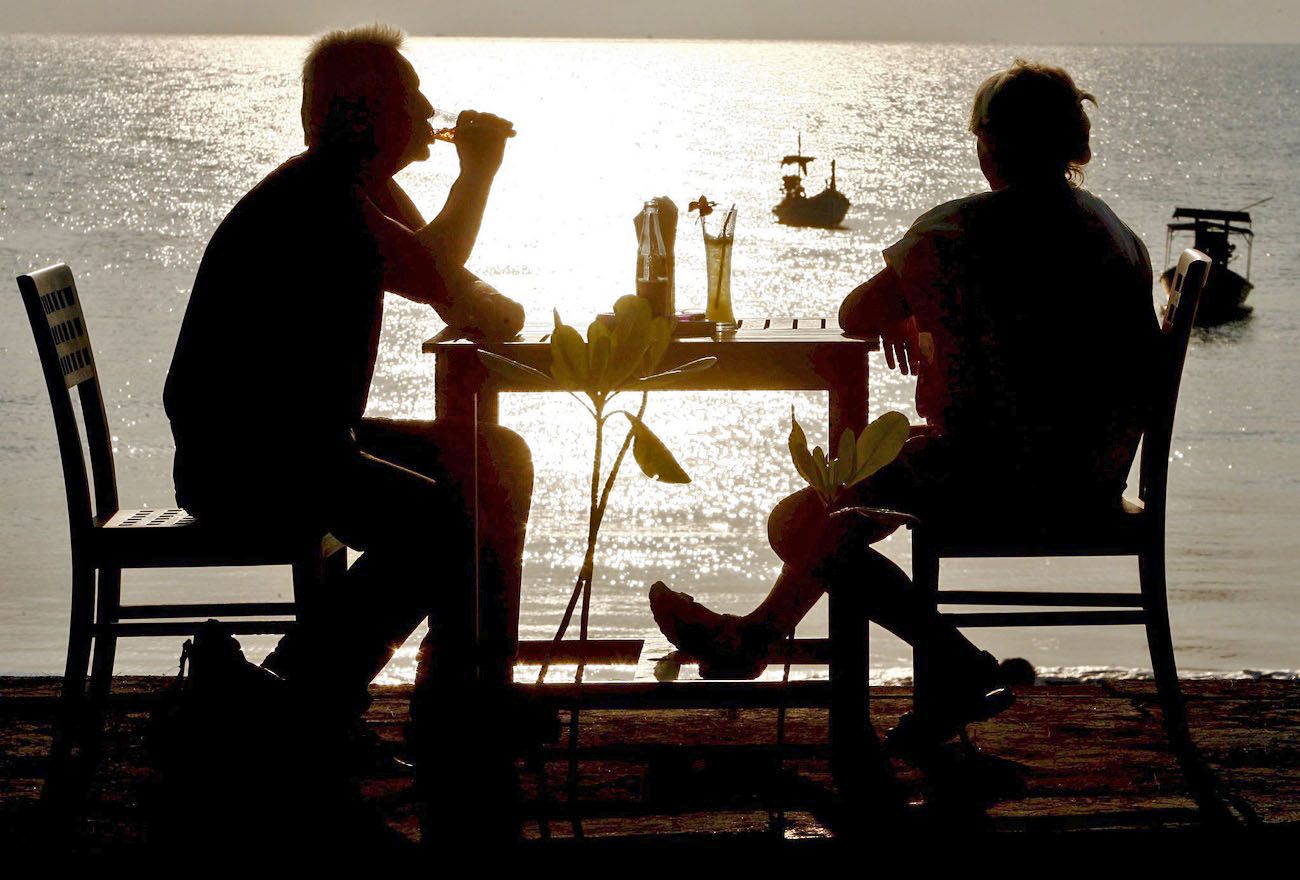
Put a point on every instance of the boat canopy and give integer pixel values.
(1211, 218)
(1212, 214)
(801, 161)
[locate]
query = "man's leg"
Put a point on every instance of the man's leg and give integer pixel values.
(505, 480)
(461, 724)
(411, 530)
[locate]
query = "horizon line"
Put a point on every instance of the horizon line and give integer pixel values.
(656, 37)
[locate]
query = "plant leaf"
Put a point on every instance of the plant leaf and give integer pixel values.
(630, 338)
(822, 486)
(661, 333)
(599, 347)
(515, 371)
(842, 468)
(880, 443)
(803, 461)
(671, 377)
(568, 357)
(653, 456)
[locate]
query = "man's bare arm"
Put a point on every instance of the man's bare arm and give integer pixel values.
(480, 144)
(411, 269)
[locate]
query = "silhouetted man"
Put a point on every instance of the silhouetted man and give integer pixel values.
(273, 365)
(1026, 313)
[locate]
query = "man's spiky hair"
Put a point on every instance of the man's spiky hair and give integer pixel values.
(343, 75)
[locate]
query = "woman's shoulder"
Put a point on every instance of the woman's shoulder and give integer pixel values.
(952, 217)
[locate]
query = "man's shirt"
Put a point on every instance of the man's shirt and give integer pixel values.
(1038, 305)
(279, 340)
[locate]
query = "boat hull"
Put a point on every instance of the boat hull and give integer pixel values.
(1224, 297)
(824, 210)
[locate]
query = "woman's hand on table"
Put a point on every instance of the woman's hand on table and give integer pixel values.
(898, 341)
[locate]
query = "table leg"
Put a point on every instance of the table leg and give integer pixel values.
(849, 710)
(847, 405)
(458, 379)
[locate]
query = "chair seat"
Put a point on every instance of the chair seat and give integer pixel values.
(1029, 530)
(171, 537)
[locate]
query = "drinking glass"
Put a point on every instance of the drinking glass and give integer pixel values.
(717, 254)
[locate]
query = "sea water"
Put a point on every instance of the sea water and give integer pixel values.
(121, 154)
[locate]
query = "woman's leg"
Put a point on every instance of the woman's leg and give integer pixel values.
(824, 549)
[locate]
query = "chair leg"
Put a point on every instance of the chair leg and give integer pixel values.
(70, 720)
(849, 710)
(1200, 778)
(101, 673)
(1151, 568)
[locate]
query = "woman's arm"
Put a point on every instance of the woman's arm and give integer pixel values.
(878, 308)
(875, 305)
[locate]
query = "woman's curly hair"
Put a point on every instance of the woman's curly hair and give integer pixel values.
(1031, 118)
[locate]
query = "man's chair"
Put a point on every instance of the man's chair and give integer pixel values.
(1136, 529)
(107, 539)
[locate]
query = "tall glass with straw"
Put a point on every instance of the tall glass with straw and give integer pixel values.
(717, 256)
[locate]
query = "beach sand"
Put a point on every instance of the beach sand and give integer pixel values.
(1089, 756)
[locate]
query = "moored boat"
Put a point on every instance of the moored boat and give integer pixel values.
(1224, 298)
(797, 208)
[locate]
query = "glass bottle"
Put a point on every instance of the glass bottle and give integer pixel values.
(653, 282)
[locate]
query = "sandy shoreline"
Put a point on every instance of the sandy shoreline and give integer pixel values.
(1089, 756)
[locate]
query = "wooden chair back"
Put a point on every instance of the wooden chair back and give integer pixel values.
(1184, 296)
(63, 343)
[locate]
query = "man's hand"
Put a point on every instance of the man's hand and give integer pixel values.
(477, 311)
(481, 141)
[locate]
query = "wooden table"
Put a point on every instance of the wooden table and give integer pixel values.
(774, 354)
(785, 354)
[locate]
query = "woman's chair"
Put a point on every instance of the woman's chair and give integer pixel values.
(1137, 529)
(107, 539)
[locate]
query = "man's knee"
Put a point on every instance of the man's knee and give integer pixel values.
(509, 457)
(505, 471)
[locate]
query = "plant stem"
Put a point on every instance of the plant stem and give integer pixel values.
(582, 587)
(593, 530)
(618, 461)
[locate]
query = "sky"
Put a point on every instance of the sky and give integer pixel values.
(1011, 21)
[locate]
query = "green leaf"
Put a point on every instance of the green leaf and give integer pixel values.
(803, 461)
(599, 347)
(880, 443)
(661, 333)
(568, 356)
(653, 456)
(842, 468)
(671, 377)
(515, 371)
(630, 338)
(823, 485)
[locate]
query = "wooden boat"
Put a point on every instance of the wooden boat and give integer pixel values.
(825, 210)
(1225, 293)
